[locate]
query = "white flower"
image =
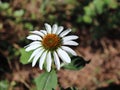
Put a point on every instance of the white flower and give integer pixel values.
(51, 45)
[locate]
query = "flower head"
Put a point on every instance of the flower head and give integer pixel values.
(51, 45)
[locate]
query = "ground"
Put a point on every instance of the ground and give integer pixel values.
(102, 73)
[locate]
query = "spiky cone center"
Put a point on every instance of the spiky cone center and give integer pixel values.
(51, 41)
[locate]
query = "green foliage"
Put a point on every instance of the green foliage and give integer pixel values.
(43, 6)
(77, 63)
(74, 2)
(46, 81)
(18, 13)
(28, 26)
(4, 6)
(4, 85)
(24, 56)
(97, 7)
(112, 3)
(89, 12)
(87, 19)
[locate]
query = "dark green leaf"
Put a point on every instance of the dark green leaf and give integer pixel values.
(77, 63)
(46, 81)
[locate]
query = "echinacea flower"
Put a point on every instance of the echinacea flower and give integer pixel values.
(51, 45)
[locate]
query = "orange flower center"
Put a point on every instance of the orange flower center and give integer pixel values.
(51, 41)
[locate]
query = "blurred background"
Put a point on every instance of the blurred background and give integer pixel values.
(96, 22)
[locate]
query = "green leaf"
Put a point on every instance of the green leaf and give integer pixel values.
(113, 4)
(87, 19)
(73, 2)
(28, 26)
(46, 81)
(99, 4)
(19, 13)
(24, 56)
(4, 6)
(89, 10)
(9, 11)
(77, 63)
(4, 85)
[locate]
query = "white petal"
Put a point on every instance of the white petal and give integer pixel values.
(35, 42)
(43, 31)
(54, 28)
(42, 60)
(38, 33)
(32, 47)
(48, 27)
(49, 61)
(34, 37)
(71, 37)
(39, 50)
(56, 60)
(69, 50)
(65, 32)
(72, 43)
(60, 29)
(37, 56)
(63, 55)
